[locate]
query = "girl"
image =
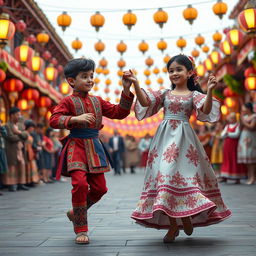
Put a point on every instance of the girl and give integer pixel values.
(247, 141)
(180, 189)
(230, 168)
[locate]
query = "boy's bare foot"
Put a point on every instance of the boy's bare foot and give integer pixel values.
(188, 227)
(82, 238)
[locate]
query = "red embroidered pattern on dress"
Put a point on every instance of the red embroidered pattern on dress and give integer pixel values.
(178, 180)
(192, 155)
(171, 154)
(151, 157)
(174, 124)
(191, 201)
(176, 106)
(197, 180)
(159, 178)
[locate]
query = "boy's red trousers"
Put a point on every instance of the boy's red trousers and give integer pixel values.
(88, 188)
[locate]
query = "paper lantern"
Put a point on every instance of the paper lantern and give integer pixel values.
(149, 61)
(42, 38)
(217, 37)
(235, 37)
(44, 102)
(129, 19)
(99, 46)
(50, 73)
(181, 43)
(160, 17)
(143, 46)
(64, 88)
(247, 18)
(76, 44)
(97, 21)
(7, 29)
(250, 83)
(22, 104)
(21, 26)
(121, 47)
(190, 14)
(199, 40)
(30, 94)
(162, 45)
(64, 20)
(13, 85)
(23, 53)
(220, 8)
(2, 75)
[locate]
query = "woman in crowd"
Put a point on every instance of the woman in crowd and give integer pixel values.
(247, 141)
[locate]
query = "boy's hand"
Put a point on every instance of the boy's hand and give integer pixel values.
(87, 117)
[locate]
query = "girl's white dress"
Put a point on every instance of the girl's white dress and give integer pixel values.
(179, 179)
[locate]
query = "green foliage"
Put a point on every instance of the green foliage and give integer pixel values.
(233, 84)
(218, 94)
(3, 66)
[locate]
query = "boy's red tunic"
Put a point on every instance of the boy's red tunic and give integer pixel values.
(77, 153)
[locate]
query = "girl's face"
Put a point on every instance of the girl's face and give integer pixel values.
(178, 74)
(245, 110)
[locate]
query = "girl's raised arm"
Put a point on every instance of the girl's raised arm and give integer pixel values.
(143, 100)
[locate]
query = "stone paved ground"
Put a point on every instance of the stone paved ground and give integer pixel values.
(33, 223)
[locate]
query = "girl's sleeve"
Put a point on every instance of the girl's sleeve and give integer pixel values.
(198, 102)
(156, 101)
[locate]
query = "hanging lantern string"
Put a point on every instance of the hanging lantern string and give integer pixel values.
(85, 10)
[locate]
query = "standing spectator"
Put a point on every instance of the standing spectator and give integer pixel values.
(3, 160)
(37, 147)
(132, 153)
(230, 169)
(15, 138)
(217, 151)
(247, 141)
(143, 146)
(32, 176)
(204, 136)
(56, 148)
(116, 144)
(47, 156)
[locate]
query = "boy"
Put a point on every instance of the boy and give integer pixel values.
(83, 157)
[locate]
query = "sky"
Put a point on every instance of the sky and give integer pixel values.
(145, 29)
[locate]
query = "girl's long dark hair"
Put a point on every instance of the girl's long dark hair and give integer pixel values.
(186, 62)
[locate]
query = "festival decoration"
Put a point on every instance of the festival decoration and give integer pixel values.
(64, 20)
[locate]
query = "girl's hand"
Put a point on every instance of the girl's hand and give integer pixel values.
(128, 75)
(126, 83)
(212, 82)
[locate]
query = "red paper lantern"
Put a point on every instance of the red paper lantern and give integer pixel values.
(22, 104)
(46, 55)
(30, 94)
(250, 83)
(23, 53)
(228, 92)
(2, 75)
(21, 26)
(31, 39)
(13, 85)
(250, 72)
(44, 102)
(117, 92)
(54, 61)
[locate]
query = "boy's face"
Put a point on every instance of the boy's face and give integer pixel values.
(83, 81)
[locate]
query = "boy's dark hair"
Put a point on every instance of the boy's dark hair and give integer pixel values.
(13, 110)
(186, 62)
(75, 66)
